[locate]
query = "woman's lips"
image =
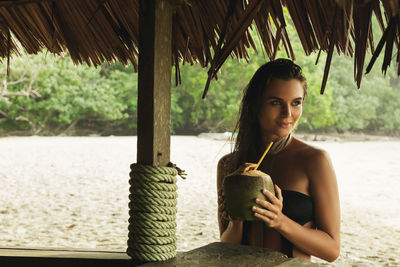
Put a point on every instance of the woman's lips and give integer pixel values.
(284, 124)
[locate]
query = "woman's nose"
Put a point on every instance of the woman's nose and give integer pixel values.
(286, 110)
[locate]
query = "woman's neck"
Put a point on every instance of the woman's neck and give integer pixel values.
(279, 143)
(266, 139)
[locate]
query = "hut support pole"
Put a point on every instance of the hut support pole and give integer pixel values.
(154, 82)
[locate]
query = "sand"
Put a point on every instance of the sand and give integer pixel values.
(73, 192)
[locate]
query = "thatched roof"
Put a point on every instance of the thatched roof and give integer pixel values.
(204, 31)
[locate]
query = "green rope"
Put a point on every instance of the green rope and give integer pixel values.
(152, 224)
(154, 201)
(153, 208)
(154, 248)
(149, 193)
(152, 216)
(152, 211)
(154, 186)
(151, 240)
(153, 231)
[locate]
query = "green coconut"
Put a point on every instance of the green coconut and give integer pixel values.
(241, 190)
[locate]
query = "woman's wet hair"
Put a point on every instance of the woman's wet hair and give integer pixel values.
(281, 69)
(247, 127)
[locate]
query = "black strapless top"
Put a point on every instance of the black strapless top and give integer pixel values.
(298, 207)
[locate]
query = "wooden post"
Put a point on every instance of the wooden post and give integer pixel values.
(154, 82)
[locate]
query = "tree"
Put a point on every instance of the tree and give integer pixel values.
(53, 95)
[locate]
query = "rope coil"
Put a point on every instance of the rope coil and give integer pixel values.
(151, 208)
(152, 224)
(152, 211)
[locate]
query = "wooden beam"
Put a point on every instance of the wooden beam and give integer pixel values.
(62, 257)
(154, 82)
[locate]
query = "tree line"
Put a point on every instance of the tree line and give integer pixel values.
(49, 95)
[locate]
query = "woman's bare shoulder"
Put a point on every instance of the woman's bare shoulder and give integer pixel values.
(307, 151)
(316, 161)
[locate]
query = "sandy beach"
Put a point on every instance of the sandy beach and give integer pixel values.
(73, 192)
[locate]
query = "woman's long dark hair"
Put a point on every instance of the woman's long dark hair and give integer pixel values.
(247, 144)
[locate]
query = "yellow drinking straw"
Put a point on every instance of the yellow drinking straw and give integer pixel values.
(265, 153)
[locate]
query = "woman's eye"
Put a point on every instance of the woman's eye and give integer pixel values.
(275, 102)
(296, 103)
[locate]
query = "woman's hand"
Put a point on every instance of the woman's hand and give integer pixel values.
(245, 167)
(271, 213)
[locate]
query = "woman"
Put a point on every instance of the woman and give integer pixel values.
(303, 218)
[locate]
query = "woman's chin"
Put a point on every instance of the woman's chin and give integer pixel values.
(282, 133)
(278, 134)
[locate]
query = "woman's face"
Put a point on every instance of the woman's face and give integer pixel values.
(281, 108)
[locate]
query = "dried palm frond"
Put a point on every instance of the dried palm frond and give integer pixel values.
(204, 31)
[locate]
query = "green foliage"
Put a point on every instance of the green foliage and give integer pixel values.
(124, 81)
(317, 109)
(49, 95)
(53, 94)
(217, 112)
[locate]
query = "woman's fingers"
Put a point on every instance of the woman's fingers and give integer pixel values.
(278, 192)
(269, 214)
(270, 211)
(249, 166)
(272, 198)
(266, 204)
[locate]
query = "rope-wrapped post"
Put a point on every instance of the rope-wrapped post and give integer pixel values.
(152, 212)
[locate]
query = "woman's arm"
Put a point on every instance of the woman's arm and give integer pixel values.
(323, 242)
(233, 233)
(230, 231)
